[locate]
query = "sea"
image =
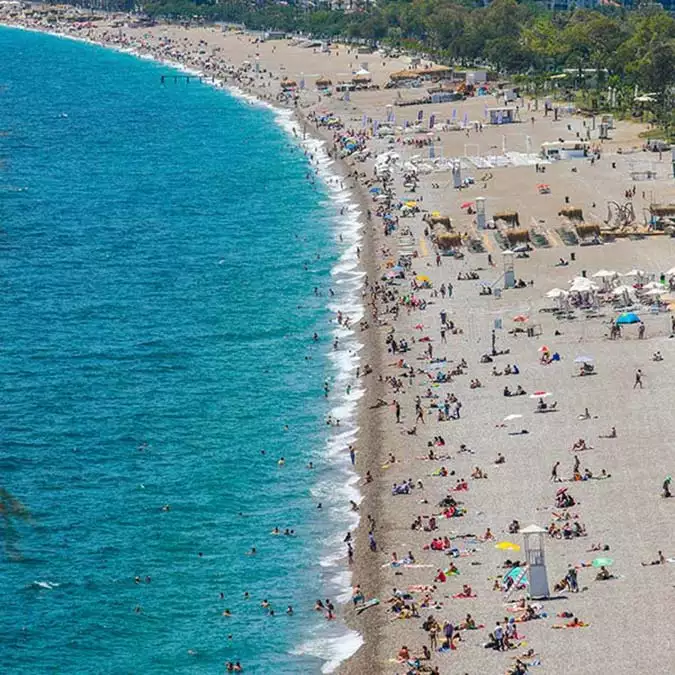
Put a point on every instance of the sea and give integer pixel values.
(167, 252)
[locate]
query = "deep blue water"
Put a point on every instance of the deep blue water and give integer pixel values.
(155, 317)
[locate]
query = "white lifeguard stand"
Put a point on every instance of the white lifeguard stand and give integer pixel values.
(536, 562)
(480, 212)
(509, 272)
(456, 174)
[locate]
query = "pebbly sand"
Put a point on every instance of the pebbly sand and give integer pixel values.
(630, 616)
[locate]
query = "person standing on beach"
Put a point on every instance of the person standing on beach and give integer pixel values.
(398, 412)
(371, 541)
(554, 473)
(638, 379)
(352, 455)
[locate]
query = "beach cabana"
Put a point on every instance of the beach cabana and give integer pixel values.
(286, 85)
(323, 83)
(509, 217)
(448, 241)
(573, 213)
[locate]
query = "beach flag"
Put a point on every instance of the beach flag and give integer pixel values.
(432, 151)
(485, 111)
(406, 124)
(420, 115)
(302, 84)
(347, 96)
(500, 117)
(364, 121)
(466, 119)
(454, 114)
(432, 121)
(376, 126)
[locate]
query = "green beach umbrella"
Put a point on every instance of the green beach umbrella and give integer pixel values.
(602, 562)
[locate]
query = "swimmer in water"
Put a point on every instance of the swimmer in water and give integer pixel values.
(281, 461)
(252, 551)
(289, 610)
(227, 613)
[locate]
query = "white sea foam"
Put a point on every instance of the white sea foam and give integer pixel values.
(332, 650)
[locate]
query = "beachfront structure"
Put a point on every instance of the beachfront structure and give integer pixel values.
(502, 115)
(536, 561)
(564, 149)
(433, 73)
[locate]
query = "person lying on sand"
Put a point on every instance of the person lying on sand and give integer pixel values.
(580, 445)
(611, 434)
(661, 560)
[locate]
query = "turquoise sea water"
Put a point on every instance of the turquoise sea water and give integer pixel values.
(159, 247)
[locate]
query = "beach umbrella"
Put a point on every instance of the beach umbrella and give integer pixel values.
(543, 348)
(652, 284)
(656, 291)
(509, 418)
(637, 273)
(582, 285)
(620, 290)
(507, 546)
(602, 562)
(628, 318)
(604, 274)
(423, 278)
(557, 293)
(561, 491)
(584, 359)
(521, 318)
(671, 271)
(541, 394)
(466, 205)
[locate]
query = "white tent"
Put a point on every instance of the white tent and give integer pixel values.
(639, 273)
(620, 290)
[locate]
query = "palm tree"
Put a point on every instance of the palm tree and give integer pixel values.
(11, 509)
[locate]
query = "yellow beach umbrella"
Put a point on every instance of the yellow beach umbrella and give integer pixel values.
(411, 204)
(507, 546)
(423, 278)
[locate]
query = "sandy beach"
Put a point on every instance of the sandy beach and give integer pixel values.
(431, 320)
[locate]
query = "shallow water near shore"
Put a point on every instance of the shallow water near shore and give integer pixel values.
(159, 247)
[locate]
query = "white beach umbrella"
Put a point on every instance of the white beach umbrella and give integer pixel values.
(508, 418)
(651, 285)
(604, 274)
(638, 273)
(656, 291)
(557, 293)
(620, 290)
(671, 271)
(583, 286)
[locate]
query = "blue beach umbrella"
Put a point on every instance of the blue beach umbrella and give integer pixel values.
(628, 317)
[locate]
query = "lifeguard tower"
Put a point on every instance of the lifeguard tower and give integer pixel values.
(480, 212)
(536, 562)
(456, 175)
(509, 272)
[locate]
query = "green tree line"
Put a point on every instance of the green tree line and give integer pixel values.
(636, 45)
